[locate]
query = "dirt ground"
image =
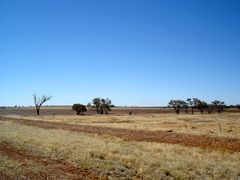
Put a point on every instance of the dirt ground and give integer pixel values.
(56, 168)
(202, 141)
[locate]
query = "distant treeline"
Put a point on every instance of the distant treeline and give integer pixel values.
(233, 106)
(103, 106)
(192, 104)
(146, 107)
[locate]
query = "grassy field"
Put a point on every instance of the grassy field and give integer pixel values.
(225, 124)
(115, 158)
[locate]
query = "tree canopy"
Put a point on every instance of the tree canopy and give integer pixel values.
(101, 105)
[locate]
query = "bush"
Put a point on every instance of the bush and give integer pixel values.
(79, 108)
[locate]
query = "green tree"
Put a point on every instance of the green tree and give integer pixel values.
(177, 105)
(185, 106)
(210, 108)
(218, 105)
(79, 108)
(191, 104)
(199, 104)
(101, 105)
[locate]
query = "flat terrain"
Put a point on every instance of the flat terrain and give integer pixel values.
(202, 141)
(66, 110)
(119, 146)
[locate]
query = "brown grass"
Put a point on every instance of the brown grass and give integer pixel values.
(202, 141)
(37, 167)
(201, 124)
(119, 159)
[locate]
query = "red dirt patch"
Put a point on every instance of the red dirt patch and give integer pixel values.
(56, 168)
(202, 141)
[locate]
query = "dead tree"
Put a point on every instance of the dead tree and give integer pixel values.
(39, 101)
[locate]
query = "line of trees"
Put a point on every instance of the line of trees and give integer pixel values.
(196, 104)
(233, 106)
(100, 105)
(103, 106)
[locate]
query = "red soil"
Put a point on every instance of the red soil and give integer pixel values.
(56, 169)
(201, 141)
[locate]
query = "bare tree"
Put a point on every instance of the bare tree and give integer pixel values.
(39, 101)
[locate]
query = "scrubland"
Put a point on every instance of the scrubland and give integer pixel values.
(115, 158)
(224, 124)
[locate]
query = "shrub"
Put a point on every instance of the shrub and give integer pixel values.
(79, 108)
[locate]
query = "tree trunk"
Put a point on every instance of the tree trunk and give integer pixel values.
(38, 111)
(177, 111)
(192, 111)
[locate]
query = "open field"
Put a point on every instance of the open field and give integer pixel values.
(203, 141)
(119, 146)
(198, 124)
(67, 110)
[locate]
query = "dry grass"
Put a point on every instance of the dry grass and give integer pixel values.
(193, 124)
(11, 167)
(118, 159)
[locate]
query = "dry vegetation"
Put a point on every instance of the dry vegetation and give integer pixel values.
(203, 124)
(115, 158)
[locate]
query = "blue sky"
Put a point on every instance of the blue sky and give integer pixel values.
(136, 52)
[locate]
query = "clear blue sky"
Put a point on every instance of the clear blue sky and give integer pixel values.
(136, 52)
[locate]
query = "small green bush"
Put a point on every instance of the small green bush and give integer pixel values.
(79, 108)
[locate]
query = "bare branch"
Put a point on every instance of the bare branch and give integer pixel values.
(39, 101)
